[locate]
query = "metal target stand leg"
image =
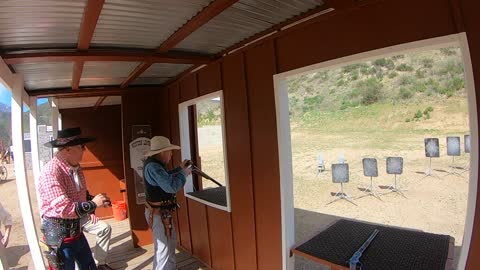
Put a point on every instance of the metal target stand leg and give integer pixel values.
(342, 195)
(453, 168)
(429, 172)
(370, 191)
(394, 188)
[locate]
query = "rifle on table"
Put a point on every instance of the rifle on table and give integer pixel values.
(354, 261)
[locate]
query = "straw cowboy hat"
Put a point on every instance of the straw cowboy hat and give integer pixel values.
(69, 137)
(160, 144)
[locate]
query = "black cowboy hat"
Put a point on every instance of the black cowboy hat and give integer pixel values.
(69, 137)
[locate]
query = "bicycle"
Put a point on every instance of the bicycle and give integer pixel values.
(3, 173)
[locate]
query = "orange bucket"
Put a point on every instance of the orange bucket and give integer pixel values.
(119, 209)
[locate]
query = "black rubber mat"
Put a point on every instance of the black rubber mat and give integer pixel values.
(392, 248)
(214, 195)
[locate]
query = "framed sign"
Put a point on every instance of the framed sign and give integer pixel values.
(139, 145)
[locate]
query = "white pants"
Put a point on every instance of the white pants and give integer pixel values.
(103, 231)
(164, 258)
(3, 258)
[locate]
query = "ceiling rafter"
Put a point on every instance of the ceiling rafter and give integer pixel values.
(202, 17)
(90, 17)
(131, 56)
(87, 28)
(87, 92)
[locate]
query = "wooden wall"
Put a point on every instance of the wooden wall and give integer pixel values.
(102, 162)
(250, 236)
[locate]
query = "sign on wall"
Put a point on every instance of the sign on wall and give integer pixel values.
(139, 146)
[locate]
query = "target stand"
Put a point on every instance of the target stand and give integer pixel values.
(340, 174)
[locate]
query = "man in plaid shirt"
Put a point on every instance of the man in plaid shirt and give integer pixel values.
(63, 195)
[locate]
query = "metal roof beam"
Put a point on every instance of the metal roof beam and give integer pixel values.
(87, 28)
(88, 92)
(177, 58)
(202, 17)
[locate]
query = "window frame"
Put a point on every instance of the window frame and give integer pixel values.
(183, 117)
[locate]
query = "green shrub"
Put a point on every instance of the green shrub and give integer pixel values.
(426, 116)
(419, 87)
(312, 103)
(420, 73)
(392, 74)
(383, 62)
(400, 56)
(371, 91)
(404, 67)
(407, 120)
(451, 67)
(456, 83)
(428, 109)
(448, 51)
(418, 115)
(406, 80)
(427, 62)
(404, 93)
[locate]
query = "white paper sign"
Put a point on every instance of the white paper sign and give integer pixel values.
(138, 148)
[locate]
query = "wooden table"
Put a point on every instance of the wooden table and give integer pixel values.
(393, 247)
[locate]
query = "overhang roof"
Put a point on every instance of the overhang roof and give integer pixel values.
(109, 45)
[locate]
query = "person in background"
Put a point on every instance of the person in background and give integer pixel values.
(63, 197)
(161, 186)
(6, 220)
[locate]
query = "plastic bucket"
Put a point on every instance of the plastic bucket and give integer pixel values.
(119, 209)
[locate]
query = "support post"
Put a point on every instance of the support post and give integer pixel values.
(20, 172)
(34, 145)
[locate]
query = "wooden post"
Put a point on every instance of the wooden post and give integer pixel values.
(34, 145)
(20, 172)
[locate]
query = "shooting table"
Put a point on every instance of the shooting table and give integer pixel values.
(216, 195)
(393, 247)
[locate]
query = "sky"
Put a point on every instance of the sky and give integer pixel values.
(6, 96)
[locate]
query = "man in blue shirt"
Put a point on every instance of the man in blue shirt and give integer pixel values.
(161, 185)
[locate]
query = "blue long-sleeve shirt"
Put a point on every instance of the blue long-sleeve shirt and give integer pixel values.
(170, 181)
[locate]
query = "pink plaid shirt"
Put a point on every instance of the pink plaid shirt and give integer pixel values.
(58, 191)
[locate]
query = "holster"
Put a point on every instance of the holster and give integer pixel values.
(54, 257)
(166, 216)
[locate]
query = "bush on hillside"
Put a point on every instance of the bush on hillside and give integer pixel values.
(450, 67)
(312, 103)
(404, 67)
(404, 93)
(448, 51)
(370, 90)
(386, 63)
(427, 62)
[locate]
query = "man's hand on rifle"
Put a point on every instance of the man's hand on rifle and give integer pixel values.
(185, 166)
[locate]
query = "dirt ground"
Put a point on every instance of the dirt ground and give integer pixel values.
(435, 204)
(17, 251)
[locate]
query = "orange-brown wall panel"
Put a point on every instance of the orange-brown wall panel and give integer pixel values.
(138, 108)
(260, 68)
(102, 163)
(161, 121)
(188, 88)
(209, 79)
(239, 162)
(220, 232)
(199, 230)
(183, 226)
(352, 31)
(469, 9)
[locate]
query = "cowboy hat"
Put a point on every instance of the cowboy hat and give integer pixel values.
(69, 137)
(160, 144)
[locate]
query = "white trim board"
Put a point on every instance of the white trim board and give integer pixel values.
(185, 144)
(284, 141)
